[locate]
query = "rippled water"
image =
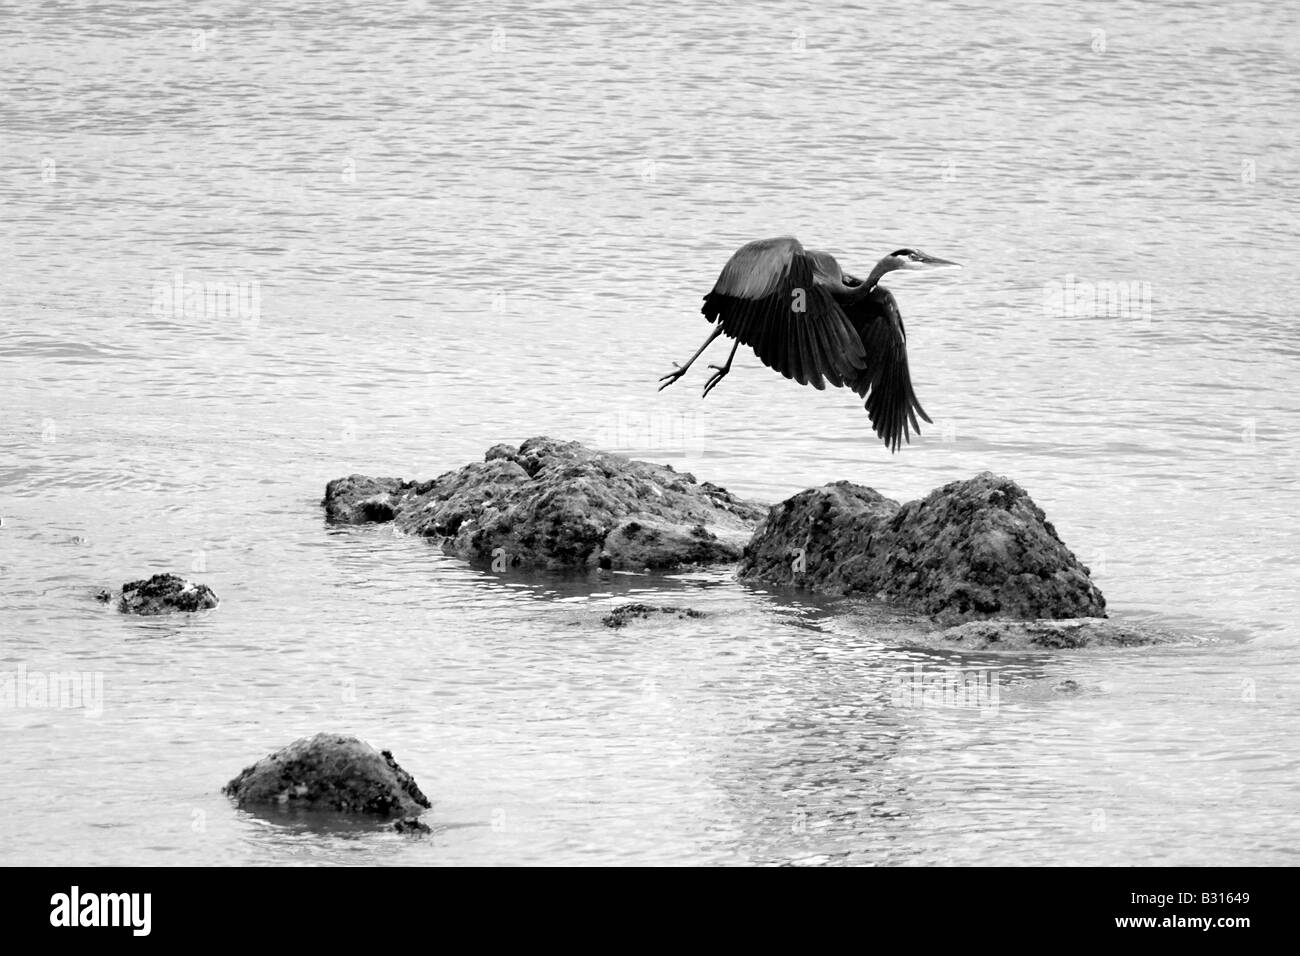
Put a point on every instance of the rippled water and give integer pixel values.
(467, 228)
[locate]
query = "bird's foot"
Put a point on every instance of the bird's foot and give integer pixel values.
(671, 376)
(715, 378)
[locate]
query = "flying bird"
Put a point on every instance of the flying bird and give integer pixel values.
(812, 322)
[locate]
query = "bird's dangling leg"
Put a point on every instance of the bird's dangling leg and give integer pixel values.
(721, 372)
(681, 370)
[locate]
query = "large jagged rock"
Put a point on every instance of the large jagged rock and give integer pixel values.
(972, 549)
(162, 594)
(558, 505)
(329, 772)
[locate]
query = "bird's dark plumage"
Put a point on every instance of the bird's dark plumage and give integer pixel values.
(886, 382)
(768, 297)
(807, 319)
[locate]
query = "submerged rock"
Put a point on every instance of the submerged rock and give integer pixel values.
(970, 550)
(162, 594)
(412, 825)
(558, 505)
(624, 613)
(1053, 635)
(329, 772)
(881, 622)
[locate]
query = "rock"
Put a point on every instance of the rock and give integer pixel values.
(163, 594)
(970, 550)
(329, 772)
(357, 499)
(1051, 635)
(412, 825)
(978, 550)
(558, 505)
(884, 623)
(624, 613)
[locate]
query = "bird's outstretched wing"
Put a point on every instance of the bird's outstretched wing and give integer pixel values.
(886, 382)
(769, 297)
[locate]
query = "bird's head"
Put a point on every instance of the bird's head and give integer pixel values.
(907, 260)
(915, 259)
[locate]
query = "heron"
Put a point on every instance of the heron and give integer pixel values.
(812, 322)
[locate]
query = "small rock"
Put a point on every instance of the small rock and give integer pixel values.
(163, 594)
(412, 825)
(329, 772)
(624, 613)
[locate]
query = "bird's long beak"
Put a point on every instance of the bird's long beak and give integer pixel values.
(934, 262)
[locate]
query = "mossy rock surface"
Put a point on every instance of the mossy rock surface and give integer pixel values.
(163, 594)
(330, 772)
(973, 549)
(558, 505)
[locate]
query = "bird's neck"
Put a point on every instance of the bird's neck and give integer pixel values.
(883, 266)
(851, 295)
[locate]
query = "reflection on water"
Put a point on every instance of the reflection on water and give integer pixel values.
(466, 230)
